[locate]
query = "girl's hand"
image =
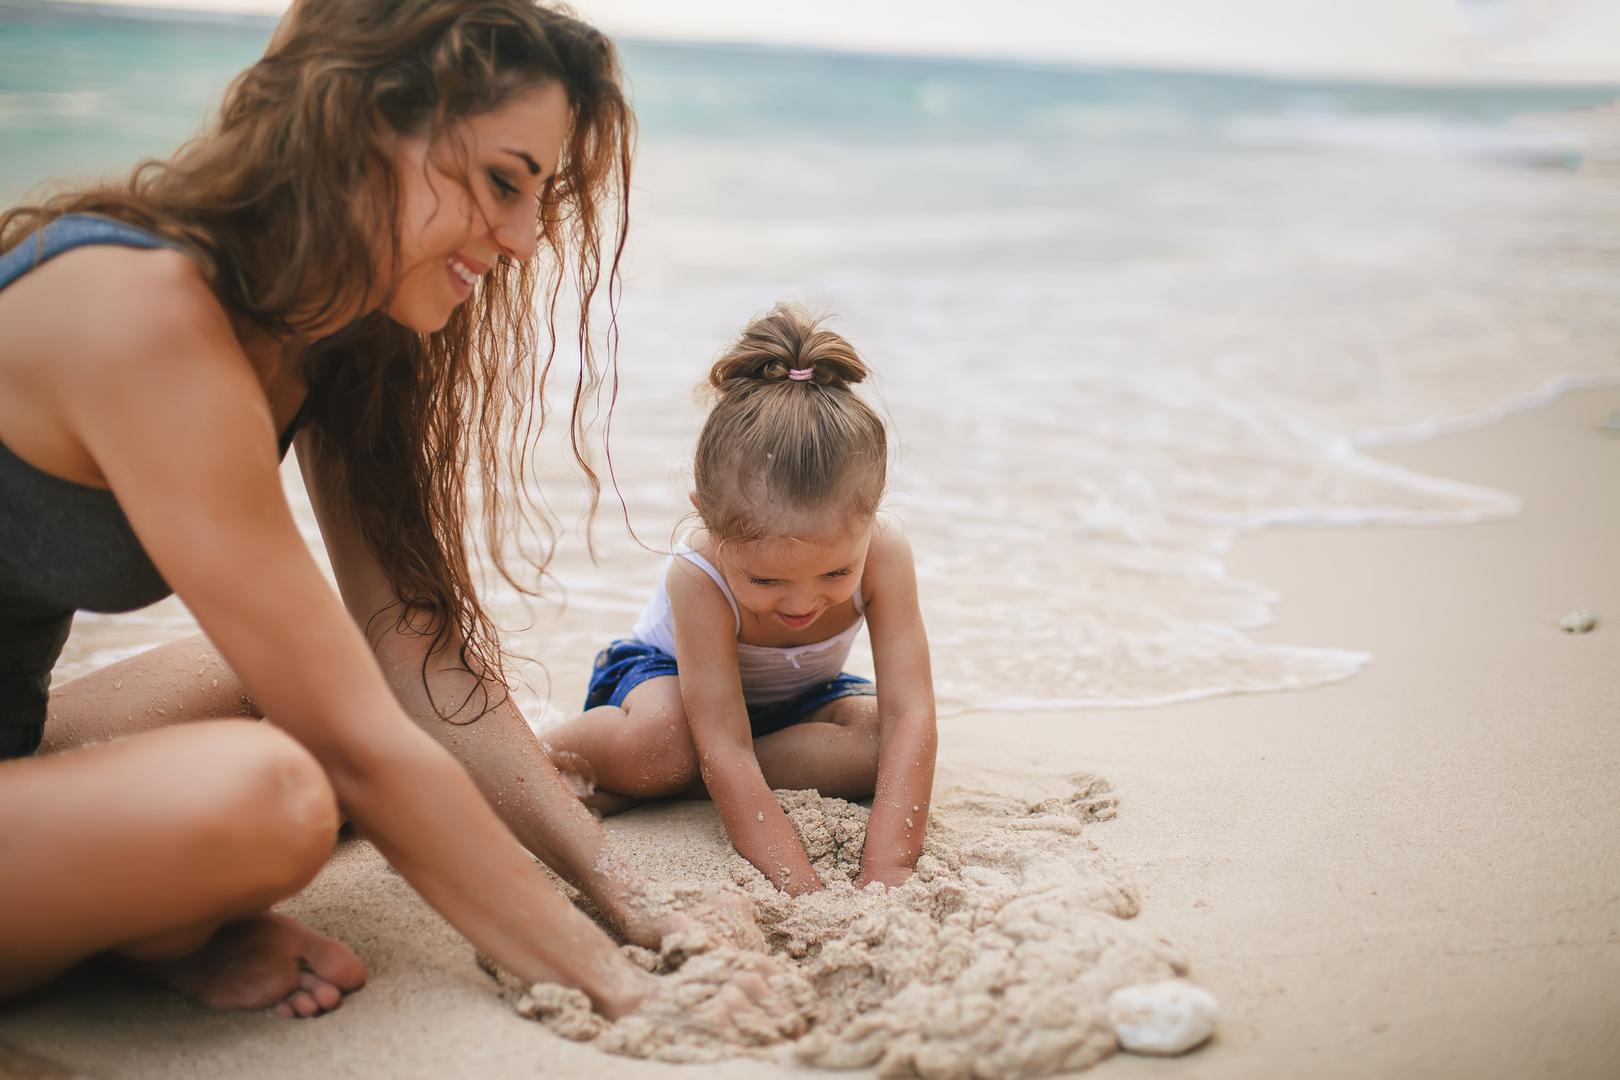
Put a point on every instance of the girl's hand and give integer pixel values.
(892, 876)
(802, 886)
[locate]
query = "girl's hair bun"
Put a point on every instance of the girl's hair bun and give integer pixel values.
(786, 340)
(788, 434)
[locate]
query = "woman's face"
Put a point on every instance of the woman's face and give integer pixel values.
(451, 232)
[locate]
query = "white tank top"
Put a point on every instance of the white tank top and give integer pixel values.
(769, 673)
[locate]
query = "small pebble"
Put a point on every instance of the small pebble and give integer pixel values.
(909, 825)
(1169, 1017)
(760, 816)
(1579, 621)
(916, 809)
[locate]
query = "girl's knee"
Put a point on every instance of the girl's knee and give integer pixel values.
(668, 759)
(858, 713)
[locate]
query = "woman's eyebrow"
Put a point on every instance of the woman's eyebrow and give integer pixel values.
(534, 166)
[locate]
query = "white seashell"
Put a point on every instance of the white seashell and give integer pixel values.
(1578, 621)
(1169, 1017)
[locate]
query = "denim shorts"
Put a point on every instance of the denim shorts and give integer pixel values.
(626, 664)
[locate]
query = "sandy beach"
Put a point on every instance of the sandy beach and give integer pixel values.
(1409, 873)
(1245, 513)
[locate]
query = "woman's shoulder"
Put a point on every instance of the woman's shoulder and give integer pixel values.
(152, 280)
(95, 337)
(116, 300)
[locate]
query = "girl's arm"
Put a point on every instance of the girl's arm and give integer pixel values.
(907, 738)
(486, 732)
(173, 415)
(711, 692)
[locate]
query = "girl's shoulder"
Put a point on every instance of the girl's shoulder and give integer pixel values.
(888, 557)
(692, 572)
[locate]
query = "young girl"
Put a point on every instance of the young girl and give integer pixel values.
(734, 672)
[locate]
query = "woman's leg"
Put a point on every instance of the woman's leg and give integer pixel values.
(168, 847)
(638, 751)
(834, 751)
(176, 683)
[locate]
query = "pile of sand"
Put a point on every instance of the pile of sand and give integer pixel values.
(996, 959)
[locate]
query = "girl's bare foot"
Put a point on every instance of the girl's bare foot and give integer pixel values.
(267, 960)
(577, 773)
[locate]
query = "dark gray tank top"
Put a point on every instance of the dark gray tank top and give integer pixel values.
(66, 547)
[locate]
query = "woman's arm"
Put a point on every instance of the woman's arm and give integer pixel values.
(499, 751)
(174, 417)
(907, 738)
(711, 693)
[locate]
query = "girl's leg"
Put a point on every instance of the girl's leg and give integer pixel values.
(168, 848)
(835, 751)
(639, 751)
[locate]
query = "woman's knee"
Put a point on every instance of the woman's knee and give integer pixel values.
(274, 811)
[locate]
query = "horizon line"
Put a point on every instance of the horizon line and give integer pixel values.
(1509, 78)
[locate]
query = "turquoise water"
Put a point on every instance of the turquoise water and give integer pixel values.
(87, 92)
(1117, 318)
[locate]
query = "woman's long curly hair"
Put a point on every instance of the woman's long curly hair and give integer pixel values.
(282, 202)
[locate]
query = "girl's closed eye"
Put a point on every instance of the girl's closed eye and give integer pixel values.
(837, 573)
(761, 581)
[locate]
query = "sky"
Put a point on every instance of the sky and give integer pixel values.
(1430, 40)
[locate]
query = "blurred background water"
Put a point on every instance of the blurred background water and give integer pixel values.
(1117, 317)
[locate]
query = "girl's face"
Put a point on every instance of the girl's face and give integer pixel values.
(796, 580)
(452, 232)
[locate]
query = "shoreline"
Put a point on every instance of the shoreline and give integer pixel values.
(1406, 873)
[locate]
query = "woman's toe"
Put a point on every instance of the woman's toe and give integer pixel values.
(304, 1004)
(325, 994)
(334, 962)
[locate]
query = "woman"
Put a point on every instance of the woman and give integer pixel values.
(346, 255)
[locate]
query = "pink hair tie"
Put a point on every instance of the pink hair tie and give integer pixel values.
(801, 374)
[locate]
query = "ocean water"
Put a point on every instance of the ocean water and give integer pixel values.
(1118, 318)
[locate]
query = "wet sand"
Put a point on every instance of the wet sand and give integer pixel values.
(1415, 872)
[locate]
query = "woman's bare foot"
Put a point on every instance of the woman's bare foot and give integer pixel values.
(267, 960)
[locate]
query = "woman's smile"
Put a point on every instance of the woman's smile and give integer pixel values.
(464, 274)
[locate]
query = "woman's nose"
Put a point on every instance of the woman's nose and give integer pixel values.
(518, 238)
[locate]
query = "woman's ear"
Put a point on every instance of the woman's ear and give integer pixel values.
(692, 495)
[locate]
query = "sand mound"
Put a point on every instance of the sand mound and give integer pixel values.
(996, 959)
